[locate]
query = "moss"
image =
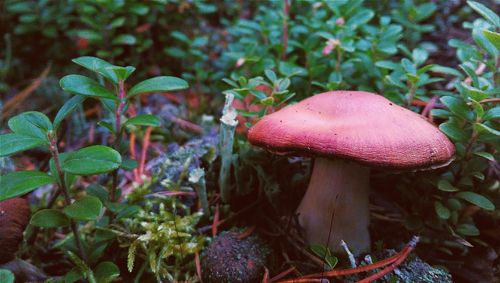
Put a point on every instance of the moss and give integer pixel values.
(230, 259)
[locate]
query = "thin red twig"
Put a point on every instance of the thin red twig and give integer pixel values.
(394, 261)
(216, 221)
(404, 255)
(198, 265)
(283, 274)
(247, 232)
(145, 146)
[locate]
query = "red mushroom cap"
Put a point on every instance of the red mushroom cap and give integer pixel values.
(14, 216)
(355, 125)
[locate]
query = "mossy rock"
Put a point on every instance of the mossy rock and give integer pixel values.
(230, 259)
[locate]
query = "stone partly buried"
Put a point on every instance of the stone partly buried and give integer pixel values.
(349, 132)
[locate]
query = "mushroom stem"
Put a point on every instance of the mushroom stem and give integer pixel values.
(335, 206)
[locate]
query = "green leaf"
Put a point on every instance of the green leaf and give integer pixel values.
(481, 128)
(163, 83)
(6, 276)
(122, 73)
(485, 155)
(85, 209)
(289, 70)
(126, 39)
(67, 108)
(144, 120)
(21, 182)
(13, 143)
(419, 56)
(446, 70)
(446, 186)
(457, 106)
(409, 66)
(85, 86)
(92, 160)
(453, 131)
(49, 218)
(98, 191)
(31, 123)
(488, 14)
(68, 178)
(493, 37)
(129, 164)
(106, 272)
(442, 211)
(97, 65)
(361, 17)
(493, 113)
(467, 230)
(477, 200)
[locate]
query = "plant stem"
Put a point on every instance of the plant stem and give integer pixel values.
(67, 200)
(118, 130)
(411, 93)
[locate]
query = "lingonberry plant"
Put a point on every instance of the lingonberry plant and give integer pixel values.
(34, 129)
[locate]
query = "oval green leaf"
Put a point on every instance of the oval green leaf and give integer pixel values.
(477, 200)
(21, 182)
(144, 120)
(67, 108)
(31, 123)
(13, 143)
(163, 83)
(106, 272)
(97, 65)
(49, 218)
(82, 85)
(85, 209)
(6, 276)
(92, 160)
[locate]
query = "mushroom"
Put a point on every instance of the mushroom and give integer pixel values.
(14, 216)
(349, 132)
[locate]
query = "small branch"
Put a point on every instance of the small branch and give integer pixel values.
(411, 246)
(62, 188)
(144, 150)
(116, 144)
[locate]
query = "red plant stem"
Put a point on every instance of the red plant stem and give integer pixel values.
(286, 12)
(116, 144)
(145, 146)
(133, 155)
(430, 105)
(283, 274)
(216, 221)
(119, 109)
(246, 233)
(397, 258)
(187, 125)
(198, 265)
(404, 255)
(67, 200)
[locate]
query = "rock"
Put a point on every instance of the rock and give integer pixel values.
(14, 216)
(234, 260)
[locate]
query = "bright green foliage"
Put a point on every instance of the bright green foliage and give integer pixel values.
(49, 218)
(92, 160)
(158, 84)
(21, 182)
(6, 276)
(86, 209)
